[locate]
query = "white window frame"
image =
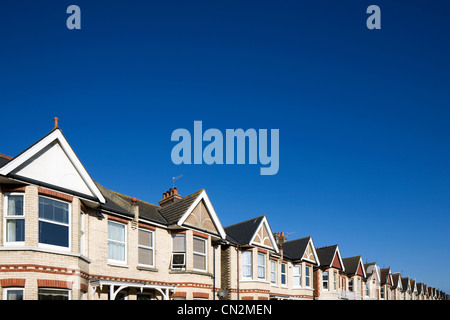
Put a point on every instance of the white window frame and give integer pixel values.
(181, 267)
(327, 281)
(68, 225)
(83, 233)
(308, 276)
(273, 272)
(245, 276)
(335, 281)
(351, 285)
(147, 247)
(6, 217)
(284, 274)
(261, 267)
(297, 276)
(5, 292)
(205, 255)
(115, 261)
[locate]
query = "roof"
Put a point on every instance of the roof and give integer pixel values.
(4, 159)
(242, 232)
(395, 277)
(173, 212)
(326, 255)
(351, 265)
(295, 249)
(384, 274)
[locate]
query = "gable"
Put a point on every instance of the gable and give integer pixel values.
(309, 253)
(360, 271)
(336, 263)
(200, 218)
(262, 237)
(51, 161)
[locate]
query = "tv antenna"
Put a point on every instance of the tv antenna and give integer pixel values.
(175, 178)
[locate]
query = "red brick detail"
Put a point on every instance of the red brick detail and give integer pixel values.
(5, 156)
(360, 272)
(262, 251)
(117, 219)
(179, 295)
(263, 298)
(12, 283)
(247, 298)
(83, 287)
(146, 226)
(54, 194)
(200, 295)
(336, 263)
(199, 234)
(44, 283)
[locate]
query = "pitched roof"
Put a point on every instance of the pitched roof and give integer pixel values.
(326, 255)
(405, 283)
(242, 232)
(4, 159)
(295, 249)
(396, 277)
(352, 264)
(173, 212)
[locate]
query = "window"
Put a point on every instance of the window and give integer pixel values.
(14, 219)
(178, 251)
(261, 265)
(307, 276)
(297, 276)
(246, 264)
(53, 294)
(382, 293)
(273, 271)
(366, 291)
(13, 294)
(82, 234)
(145, 247)
(350, 285)
(116, 242)
(199, 254)
(53, 222)
(325, 280)
(335, 281)
(283, 274)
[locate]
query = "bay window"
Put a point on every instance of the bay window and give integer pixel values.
(261, 265)
(14, 219)
(54, 222)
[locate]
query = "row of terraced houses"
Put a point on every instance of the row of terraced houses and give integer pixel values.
(65, 236)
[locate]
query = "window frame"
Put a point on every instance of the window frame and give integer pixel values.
(262, 267)
(83, 233)
(115, 261)
(307, 276)
(7, 217)
(5, 292)
(152, 248)
(56, 289)
(244, 275)
(273, 271)
(181, 267)
(195, 253)
(297, 276)
(68, 225)
(325, 281)
(283, 274)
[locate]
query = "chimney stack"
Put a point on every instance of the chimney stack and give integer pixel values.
(170, 196)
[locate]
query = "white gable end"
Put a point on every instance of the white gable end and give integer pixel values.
(52, 161)
(52, 166)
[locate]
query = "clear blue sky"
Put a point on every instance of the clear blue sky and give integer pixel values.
(363, 114)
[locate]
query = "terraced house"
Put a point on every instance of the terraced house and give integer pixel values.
(65, 236)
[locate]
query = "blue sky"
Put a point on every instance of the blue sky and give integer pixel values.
(363, 114)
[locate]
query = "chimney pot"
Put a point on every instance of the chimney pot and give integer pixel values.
(56, 122)
(134, 200)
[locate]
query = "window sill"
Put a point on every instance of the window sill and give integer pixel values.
(146, 268)
(117, 264)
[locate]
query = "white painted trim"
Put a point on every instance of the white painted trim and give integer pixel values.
(203, 196)
(269, 231)
(56, 135)
(6, 217)
(340, 258)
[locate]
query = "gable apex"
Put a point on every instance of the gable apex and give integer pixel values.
(52, 161)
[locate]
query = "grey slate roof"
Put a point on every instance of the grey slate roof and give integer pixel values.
(295, 249)
(174, 211)
(351, 264)
(242, 232)
(326, 254)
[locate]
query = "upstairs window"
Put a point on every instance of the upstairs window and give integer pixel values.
(14, 219)
(53, 222)
(283, 274)
(261, 265)
(308, 276)
(325, 280)
(116, 242)
(297, 276)
(246, 264)
(178, 251)
(273, 271)
(145, 247)
(199, 254)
